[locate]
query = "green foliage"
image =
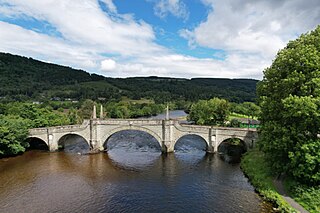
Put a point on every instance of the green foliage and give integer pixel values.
(249, 109)
(234, 123)
(212, 112)
(74, 116)
(13, 132)
(86, 109)
(308, 197)
(15, 120)
(289, 95)
(36, 115)
(256, 167)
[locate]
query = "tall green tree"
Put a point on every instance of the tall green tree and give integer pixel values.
(212, 112)
(289, 96)
(13, 134)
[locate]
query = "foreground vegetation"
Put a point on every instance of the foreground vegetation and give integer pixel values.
(289, 96)
(306, 196)
(256, 166)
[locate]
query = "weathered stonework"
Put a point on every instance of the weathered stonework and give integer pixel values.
(167, 132)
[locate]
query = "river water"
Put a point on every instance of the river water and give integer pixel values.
(133, 176)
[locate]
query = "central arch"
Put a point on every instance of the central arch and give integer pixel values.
(204, 143)
(142, 129)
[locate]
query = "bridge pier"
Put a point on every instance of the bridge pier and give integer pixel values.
(93, 135)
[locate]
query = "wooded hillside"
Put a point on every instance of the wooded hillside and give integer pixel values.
(23, 78)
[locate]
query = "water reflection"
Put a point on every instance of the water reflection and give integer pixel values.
(190, 149)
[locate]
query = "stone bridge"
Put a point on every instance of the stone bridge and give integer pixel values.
(96, 132)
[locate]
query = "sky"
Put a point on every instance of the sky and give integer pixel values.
(172, 38)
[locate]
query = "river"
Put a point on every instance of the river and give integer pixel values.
(133, 176)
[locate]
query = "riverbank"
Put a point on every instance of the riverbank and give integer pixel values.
(255, 167)
(283, 193)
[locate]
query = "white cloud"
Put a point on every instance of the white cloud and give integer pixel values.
(175, 65)
(250, 33)
(83, 22)
(110, 5)
(262, 27)
(108, 65)
(17, 40)
(175, 7)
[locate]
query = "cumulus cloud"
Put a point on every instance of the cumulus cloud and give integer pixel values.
(175, 7)
(262, 27)
(84, 22)
(17, 40)
(108, 65)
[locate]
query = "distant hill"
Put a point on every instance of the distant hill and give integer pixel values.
(23, 78)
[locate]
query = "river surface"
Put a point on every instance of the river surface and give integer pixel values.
(133, 176)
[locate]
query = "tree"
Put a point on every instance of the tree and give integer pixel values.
(13, 134)
(212, 112)
(289, 95)
(249, 109)
(86, 108)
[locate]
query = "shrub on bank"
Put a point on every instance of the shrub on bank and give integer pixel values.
(259, 172)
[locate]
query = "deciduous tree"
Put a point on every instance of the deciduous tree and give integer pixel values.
(212, 112)
(289, 96)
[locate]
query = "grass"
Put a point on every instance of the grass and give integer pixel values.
(236, 115)
(256, 168)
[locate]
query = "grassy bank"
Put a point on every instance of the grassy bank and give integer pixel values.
(306, 196)
(256, 168)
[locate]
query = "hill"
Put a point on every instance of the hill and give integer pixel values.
(23, 78)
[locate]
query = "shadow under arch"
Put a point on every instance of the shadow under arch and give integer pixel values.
(191, 142)
(115, 131)
(132, 149)
(231, 149)
(37, 143)
(73, 143)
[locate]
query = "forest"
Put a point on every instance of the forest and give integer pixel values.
(23, 79)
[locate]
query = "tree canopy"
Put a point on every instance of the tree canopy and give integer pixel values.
(209, 112)
(289, 95)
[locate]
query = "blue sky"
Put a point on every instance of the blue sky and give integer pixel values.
(175, 38)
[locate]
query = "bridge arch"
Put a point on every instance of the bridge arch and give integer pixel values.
(246, 141)
(61, 142)
(107, 136)
(37, 143)
(241, 139)
(204, 139)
